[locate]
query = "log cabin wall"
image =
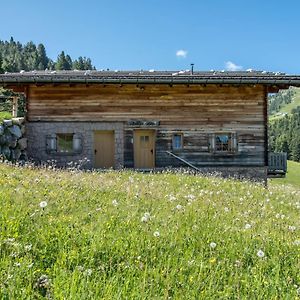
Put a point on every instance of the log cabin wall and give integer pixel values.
(196, 111)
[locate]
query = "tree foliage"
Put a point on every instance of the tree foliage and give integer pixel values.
(284, 135)
(15, 57)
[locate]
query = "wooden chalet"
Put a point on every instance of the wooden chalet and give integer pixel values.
(210, 121)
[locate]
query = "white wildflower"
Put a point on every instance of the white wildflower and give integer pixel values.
(248, 226)
(80, 268)
(88, 272)
(30, 266)
(296, 243)
(156, 234)
(172, 198)
(179, 207)
(17, 264)
(260, 253)
(226, 209)
(292, 228)
(212, 245)
(115, 203)
(43, 282)
(146, 217)
(28, 247)
(43, 204)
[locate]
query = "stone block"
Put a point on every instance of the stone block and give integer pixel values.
(22, 143)
(7, 123)
(18, 121)
(15, 130)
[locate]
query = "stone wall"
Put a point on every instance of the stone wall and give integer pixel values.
(13, 142)
(37, 133)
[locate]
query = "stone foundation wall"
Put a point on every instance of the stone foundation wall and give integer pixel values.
(37, 133)
(13, 142)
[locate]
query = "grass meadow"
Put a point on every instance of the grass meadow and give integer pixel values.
(292, 175)
(126, 235)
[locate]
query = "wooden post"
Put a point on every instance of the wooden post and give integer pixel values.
(15, 107)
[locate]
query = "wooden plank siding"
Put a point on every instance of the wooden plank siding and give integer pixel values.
(195, 110)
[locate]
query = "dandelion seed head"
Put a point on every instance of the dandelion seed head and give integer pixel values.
(43, 204)
(260, 253)
(212, 245)
(156, 234)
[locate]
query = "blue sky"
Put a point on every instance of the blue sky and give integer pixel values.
(147, 34)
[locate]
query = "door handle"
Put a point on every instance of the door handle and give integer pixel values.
(95, 151)
(152, 151)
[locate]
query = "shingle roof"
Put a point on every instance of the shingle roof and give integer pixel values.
(168, 77)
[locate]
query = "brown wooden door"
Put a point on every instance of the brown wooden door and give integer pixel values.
(144, 149)
(104, 149)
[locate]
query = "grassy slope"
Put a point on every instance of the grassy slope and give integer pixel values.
(92, 247)
(287, 108)
(292, 176)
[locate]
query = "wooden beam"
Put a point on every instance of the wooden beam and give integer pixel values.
(15, 106)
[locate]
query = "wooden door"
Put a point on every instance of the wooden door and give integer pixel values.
(144, 149)
(104, 149)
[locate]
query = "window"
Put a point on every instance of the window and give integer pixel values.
(177, 142)
(223, 142)
(64, 143)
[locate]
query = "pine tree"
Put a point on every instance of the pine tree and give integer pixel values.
(69, 62)
(63, 62)
(78, 64)
(43, 60)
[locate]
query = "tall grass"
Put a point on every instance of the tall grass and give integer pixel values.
(125, 235)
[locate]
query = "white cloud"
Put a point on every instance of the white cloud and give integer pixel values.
(181, 53)
(230, 66)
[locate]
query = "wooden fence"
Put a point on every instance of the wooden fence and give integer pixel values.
(277, 164)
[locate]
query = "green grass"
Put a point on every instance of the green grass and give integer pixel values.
(292, 176)
(90, 241)
(5, 115)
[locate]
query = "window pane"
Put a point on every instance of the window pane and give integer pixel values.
(223, 142)
(65, 142)
(177, 141)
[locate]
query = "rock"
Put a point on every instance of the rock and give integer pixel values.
(22, 143)
(15, 154)
(7, 123)
(23, 129)
(23, 155)
(12, 141)
(6, 152)
(3, 139)
(1, 130)
(16, 131)
(18, 121)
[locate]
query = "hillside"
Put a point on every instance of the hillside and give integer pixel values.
(286, 108)
(72, 235)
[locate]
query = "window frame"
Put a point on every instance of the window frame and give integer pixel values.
(181, 141)
(232, 142)
(52, 144)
